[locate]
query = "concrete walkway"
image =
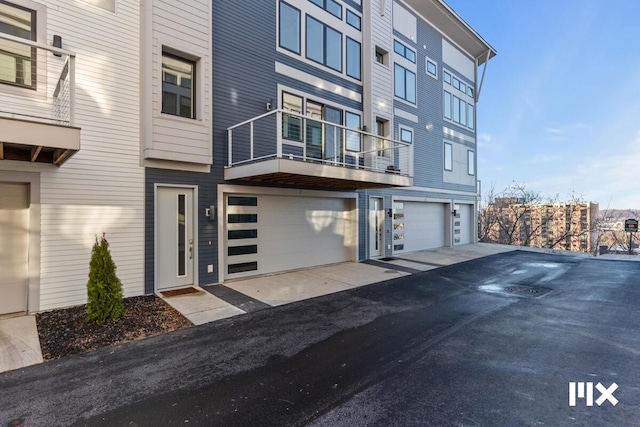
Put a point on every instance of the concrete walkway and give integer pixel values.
(20, 346)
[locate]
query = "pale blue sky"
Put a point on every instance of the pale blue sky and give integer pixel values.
(560, 106)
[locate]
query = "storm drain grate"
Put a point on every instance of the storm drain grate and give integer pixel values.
(527, 290)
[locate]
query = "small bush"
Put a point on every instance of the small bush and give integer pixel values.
(104, 289)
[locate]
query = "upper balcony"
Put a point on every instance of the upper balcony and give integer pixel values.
(283, 147)
(37, 102)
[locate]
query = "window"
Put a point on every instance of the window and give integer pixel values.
(324, 44)
(292, 125)
(471, 162)
(471, 116)
(447, 77)
(447, 105)
(17, 61)
(353, 20)
(404, 51)
(289, 27)
(353, 58)
(178, 83)
(456, 109)
(352, 121)
(405, 84)
(406, 135)
(448, 157)
(431, 68)
(382, 56)
(331, 6)
(470, 91)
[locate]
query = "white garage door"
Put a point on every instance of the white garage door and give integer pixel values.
(463, 226)
(418, 226)
(14, 235)
(267, 234)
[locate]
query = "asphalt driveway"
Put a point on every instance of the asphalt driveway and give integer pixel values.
(493, 341)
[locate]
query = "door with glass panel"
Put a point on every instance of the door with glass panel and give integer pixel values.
(175, 251)
(376, 227)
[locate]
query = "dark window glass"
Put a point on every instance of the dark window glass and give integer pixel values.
(398, 247)
(333, 46)
(182, 236)
(292, 125)
(177, 95)
(242, 201)
(289, 27)
(242, 234)
(242, 267)
(242, 218)
(242, 250)
(404, 51)
(405, 84)
(323, 44)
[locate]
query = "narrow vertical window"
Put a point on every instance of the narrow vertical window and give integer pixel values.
(448, 157)
(447, 105)
(353, 58)
(333, 49)
(353, 138)
(182, 235)
(471, 114)
(289, 27)
(315, 40)
(471, 162)
(292, 125)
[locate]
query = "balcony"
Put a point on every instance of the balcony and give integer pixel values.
(286, 148)
(37, 102)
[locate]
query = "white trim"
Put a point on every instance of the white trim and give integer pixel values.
(397, 112)
(442, 191)
(426, 67)
(454, 134)
(317, 82)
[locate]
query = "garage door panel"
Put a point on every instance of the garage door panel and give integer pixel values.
(294, 232)
(465, 233)
(424, 226)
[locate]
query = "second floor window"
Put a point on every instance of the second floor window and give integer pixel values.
(17, 61)
(405, 84)
(178, 83)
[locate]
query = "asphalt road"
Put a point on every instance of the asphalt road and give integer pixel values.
(446, 347)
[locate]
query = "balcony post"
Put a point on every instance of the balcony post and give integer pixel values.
(279, 136)
(230, 145)
(251, 140)
(72, 90)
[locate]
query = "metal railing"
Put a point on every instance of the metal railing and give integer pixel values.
(284, 134)
(38, 81)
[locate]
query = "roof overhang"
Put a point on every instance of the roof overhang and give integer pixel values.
(444, 18)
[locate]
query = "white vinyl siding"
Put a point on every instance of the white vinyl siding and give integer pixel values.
(101, 188)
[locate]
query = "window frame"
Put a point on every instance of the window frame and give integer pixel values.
(299, 37)
(33, 52)
(325, 27)
(447, 157)
(347, 63)
(428, 61)
(404, 49)
(404, 96)
(471, 162)
(352, 14)
(193, 62)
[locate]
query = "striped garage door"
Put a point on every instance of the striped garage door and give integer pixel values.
(268, 233)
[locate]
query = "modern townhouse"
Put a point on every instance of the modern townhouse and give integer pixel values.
(69, 148)
(313, 132)
(215, 140)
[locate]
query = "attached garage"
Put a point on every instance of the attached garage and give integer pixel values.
(271, 233)
(419, 225)
(14, 235)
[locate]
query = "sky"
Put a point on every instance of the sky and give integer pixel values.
(559, 109)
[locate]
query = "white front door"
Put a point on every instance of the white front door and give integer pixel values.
(376, 227)
(175, 250)
(14, 247)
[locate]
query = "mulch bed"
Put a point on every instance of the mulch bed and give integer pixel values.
(65, 331)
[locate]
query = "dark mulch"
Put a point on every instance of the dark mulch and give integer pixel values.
(65, 331)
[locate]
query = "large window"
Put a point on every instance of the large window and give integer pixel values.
(458, 108)
(17, 61)
(353, 58)
(324, 44)
(178, 83)
(405, 84)
(289, 27)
